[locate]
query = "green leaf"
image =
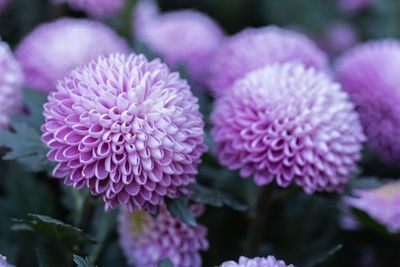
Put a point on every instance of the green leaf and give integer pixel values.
(65, 234)
(165, 263)
(371, 224)
(104, 223)
(26, 146)
(24, 141)
(82, 262)
(365, 183)
(209, 196)
(179, 209)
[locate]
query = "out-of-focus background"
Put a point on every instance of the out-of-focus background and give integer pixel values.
(301, 229)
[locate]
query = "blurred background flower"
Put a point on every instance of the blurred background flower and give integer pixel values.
(269, 261)
(146, 241)
(53, 49)
(11, 80)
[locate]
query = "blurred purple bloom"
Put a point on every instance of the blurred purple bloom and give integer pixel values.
(95, 8)
(11, 80)
(254, 48)
(180, 37)
(54, 48)
(4, 263)
(3, 5)
(126, 128)
(146, 241)
(370, 74)
(288, 123)
(339, 36)
(269, 261)
(382, 204)
(354, 5)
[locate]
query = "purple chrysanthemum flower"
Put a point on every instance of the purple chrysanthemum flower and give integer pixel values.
(382, 204)
(180, 37)
(269, 261)
(53, 49)
(252, 49)
(95, 8)
(370, 74)
(289, 123)
(126, 128)
(146, 241)
(3, 262)
(11, 80)
(354, 5)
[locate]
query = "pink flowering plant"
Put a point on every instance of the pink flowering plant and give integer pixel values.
(199, 133)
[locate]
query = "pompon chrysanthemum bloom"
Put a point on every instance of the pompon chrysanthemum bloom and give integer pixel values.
(54, 48)
(382, 204)
(269, 261)
(354, 5)
(289, 123)
(146, 241)
(4, 263)
(180, 37)
(11, 79)
(370, 74)
(127, 129)
(95, 8)
(254, 48)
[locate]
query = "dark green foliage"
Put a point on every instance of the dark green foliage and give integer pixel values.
(179, 209)
(299, 228)
(62, 233)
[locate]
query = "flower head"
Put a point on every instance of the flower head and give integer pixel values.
(95, 8)
(11, 79)
(126, 128)
(382, 204)
(289, 123)
(180, 37)
(53, 49)
(4, 263)
(370, 74)
(252, 49)
(146, 241)
(354, 5)
(269, 261)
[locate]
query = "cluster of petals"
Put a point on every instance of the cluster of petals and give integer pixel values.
(354, 5)
(370, 74)
(126, 128)
(252, 49)
(11, 80)
(95, 8)
(181, 37)
(269, 261)
(146, 241)
(55, 48)
(291, 123)
(382, 204)
(4, 263)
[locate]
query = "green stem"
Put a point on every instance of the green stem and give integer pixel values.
(258, 220)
